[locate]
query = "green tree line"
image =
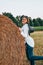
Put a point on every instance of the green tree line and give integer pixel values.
(17, 20)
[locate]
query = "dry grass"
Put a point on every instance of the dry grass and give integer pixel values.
(38, 50)
(12, 48)
(38, 39)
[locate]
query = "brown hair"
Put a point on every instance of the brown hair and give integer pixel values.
(25, 17)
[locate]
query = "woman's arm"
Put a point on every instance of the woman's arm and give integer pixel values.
(24, 31)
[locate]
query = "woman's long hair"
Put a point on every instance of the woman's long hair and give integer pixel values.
(23, 16)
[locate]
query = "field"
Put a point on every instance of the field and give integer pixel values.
(38, 28)
(38, 49)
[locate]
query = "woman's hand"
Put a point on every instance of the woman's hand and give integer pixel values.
(20, 29)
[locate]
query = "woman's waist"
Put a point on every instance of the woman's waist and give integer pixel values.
(30, 41)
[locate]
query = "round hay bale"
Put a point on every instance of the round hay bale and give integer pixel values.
(12, 48)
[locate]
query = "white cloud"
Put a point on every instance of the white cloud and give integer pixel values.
(33, 8)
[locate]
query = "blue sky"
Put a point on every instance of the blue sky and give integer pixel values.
(32, 8)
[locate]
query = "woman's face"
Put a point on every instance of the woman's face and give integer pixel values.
(24, 20)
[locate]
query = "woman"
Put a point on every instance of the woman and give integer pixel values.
(29, 42)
